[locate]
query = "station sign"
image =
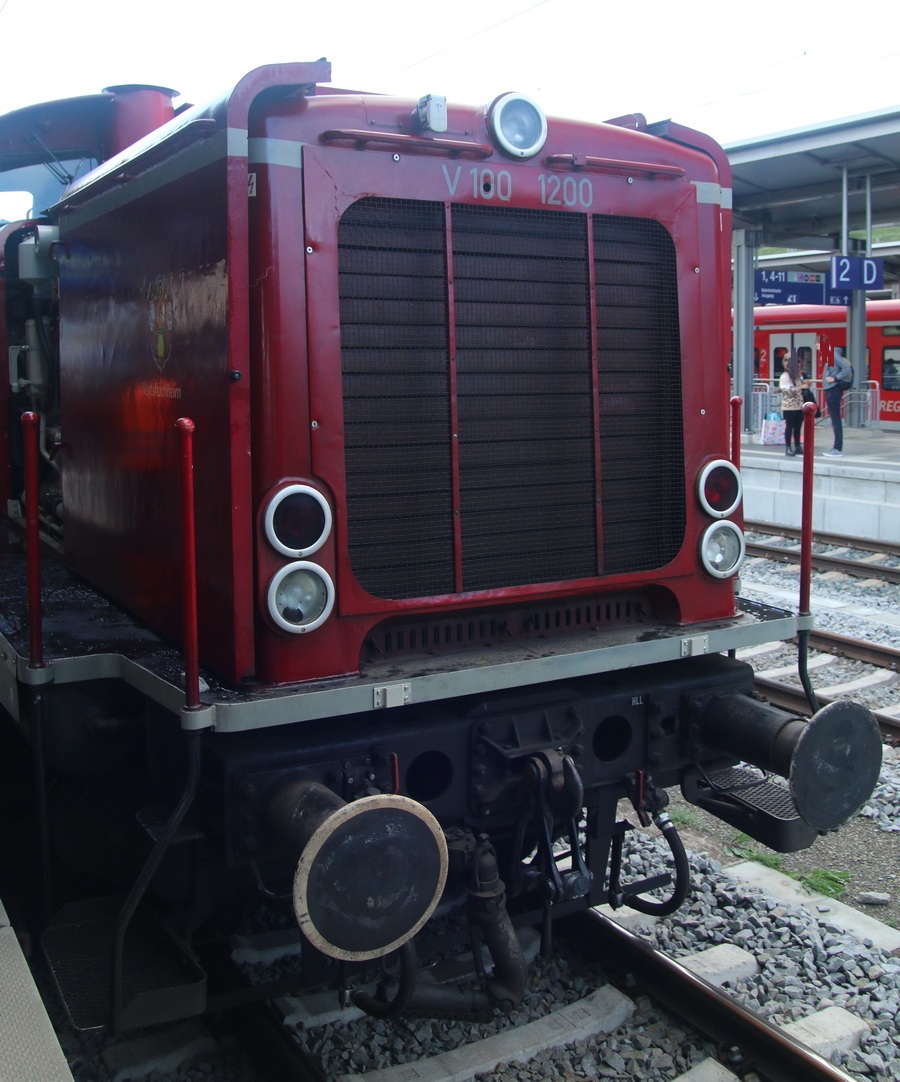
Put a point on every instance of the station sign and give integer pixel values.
(797, 287)
(788, 287)
(856, 272)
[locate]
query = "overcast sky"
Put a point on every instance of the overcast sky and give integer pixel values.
(731, 70)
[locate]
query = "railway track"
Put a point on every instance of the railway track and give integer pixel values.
(780, 689)
(745, 1040)
(635, 991)
(751, 1042)
(867, 566)
(839, 540)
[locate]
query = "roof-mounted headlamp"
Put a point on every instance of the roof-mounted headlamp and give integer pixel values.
(518, 126)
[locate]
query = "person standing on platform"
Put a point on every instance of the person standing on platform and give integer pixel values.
(791, 385)
(833, 377)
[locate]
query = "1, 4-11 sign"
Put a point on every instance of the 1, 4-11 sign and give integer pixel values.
(856, 272)
(788, 287)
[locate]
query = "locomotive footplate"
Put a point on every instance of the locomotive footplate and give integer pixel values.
(165, 982)
(752, 803)
(87, 638)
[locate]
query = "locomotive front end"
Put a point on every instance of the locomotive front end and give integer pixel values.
(467, 527)
(508, 425)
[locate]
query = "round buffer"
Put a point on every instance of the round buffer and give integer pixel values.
(370, 877)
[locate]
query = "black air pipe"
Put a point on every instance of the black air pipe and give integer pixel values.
(682, 875)
(504, 990)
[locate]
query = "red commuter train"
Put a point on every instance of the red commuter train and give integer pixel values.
(816, 329)
(466, 530)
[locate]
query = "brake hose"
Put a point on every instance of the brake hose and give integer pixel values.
(682, 874)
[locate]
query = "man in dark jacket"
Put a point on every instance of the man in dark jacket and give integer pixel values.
(832, 375)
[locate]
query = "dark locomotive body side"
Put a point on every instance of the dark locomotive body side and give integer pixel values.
(466, 527)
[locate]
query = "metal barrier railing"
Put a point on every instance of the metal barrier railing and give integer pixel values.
(860, 408)
(760, 404)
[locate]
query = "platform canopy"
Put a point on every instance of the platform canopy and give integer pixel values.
(805, 191)
(790, 186)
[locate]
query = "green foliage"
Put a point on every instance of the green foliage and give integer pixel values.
(683, 817)
(824, 881)
(743, 846)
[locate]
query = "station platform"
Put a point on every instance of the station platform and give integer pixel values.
(857, 495)
(29, 1050)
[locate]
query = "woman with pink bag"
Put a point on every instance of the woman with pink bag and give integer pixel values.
(791, 385)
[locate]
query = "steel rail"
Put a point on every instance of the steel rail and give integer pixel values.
(824, 562)
(772, 1053)
(790, 697)
(839, 540)
(884, 657)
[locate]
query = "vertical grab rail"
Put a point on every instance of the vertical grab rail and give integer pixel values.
(806, 541)
(30, 425)
(806, 527)
(736, 403)
(185, 427)
(30, 435)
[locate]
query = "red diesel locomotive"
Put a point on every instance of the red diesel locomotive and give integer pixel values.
(465, 530)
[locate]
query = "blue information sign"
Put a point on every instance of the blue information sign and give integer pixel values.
(856, 272)
(788, 287)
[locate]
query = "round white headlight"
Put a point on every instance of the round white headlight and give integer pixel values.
(300, 597)
(722, 549)
(719, 488)
(298, 520)
(518, 125)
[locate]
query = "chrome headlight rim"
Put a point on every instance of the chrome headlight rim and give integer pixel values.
(272, 594)
(269, 521)
(495, 114)
(727, 527)
(708, 469)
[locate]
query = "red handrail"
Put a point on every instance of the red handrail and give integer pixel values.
(736, 403)
(806, 502)
(189, 567)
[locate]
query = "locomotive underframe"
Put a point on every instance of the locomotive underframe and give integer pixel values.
(462, 741)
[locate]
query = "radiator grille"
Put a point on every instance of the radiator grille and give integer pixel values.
(639, 363)
(521, 331)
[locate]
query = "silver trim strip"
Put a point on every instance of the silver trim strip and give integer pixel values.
(275, 152)
(707, 192)
(355, 695)
(237, 142)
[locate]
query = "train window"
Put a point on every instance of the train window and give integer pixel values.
(28, 190)
(890, 369)
(804, 356)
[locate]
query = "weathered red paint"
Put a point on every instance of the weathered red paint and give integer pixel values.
(181, 295)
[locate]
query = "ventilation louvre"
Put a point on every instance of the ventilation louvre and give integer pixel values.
(521, 346)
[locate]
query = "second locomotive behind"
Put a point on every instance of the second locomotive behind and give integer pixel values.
(467, 531)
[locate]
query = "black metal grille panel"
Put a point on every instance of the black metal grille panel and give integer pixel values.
(770, 796)
(639, 361)
(521, 330)
(526, 447)
(393, 306)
